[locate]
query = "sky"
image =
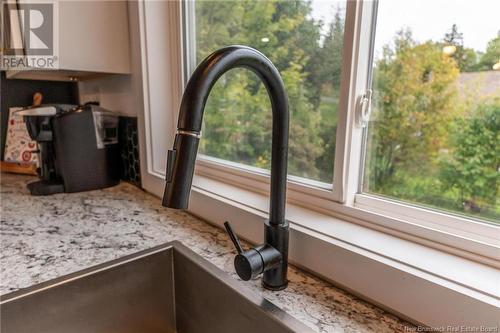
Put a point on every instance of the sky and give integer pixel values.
(478, 20)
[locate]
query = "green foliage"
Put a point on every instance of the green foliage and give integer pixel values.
(415, 98)
(465, 58)
(426, 145)
(324, 81)
(238, 109)
(473, 165)
(491, 56)
(326, 65)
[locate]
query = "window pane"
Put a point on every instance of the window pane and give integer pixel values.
(434, 135)
(304, 40)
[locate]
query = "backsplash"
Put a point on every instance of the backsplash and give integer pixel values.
(20, 93)
(129, 148)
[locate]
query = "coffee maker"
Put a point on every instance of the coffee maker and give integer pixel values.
(77, 146)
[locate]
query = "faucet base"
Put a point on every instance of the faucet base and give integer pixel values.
(276, 235)
(274, 288)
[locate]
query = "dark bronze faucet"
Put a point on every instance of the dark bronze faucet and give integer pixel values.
(271, 259)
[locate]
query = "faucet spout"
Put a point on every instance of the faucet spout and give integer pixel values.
(181, 159)
(191, 116)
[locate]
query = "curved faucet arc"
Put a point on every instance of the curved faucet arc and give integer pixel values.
(182, 158)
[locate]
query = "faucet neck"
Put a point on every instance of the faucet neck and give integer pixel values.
(199, 87)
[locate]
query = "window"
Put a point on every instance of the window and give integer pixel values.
(426, 161)
(304, 40)
(434, 134)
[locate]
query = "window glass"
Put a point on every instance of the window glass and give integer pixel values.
(304, 40)
(434, 134)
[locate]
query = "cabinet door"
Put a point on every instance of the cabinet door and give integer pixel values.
(94, 36)
(90, 38)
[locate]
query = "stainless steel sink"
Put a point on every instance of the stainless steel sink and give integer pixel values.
(168, 288)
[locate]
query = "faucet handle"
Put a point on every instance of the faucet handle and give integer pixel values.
(251, 263)
(248, 264)
(233, 237)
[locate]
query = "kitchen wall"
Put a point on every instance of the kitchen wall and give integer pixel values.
(20, 93)
(124, 94)
(113, 92)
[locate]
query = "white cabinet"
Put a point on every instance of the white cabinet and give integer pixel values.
(93, 41)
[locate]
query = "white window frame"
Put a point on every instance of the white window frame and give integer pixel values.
(477, 237)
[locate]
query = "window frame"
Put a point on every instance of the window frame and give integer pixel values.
(344, 196)
(434, 222)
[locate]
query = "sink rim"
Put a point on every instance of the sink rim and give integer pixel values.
(270, 309)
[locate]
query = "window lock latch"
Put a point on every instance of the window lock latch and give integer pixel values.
(364, 108)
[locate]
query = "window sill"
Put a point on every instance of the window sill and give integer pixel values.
(476, 241)
(393, 272)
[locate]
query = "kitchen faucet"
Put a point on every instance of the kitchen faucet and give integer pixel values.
(271, 259)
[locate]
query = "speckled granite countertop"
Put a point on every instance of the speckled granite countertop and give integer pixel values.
(46, 237)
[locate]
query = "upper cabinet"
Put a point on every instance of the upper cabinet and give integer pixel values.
(93, 39)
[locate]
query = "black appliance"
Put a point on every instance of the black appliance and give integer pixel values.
(77, 145)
